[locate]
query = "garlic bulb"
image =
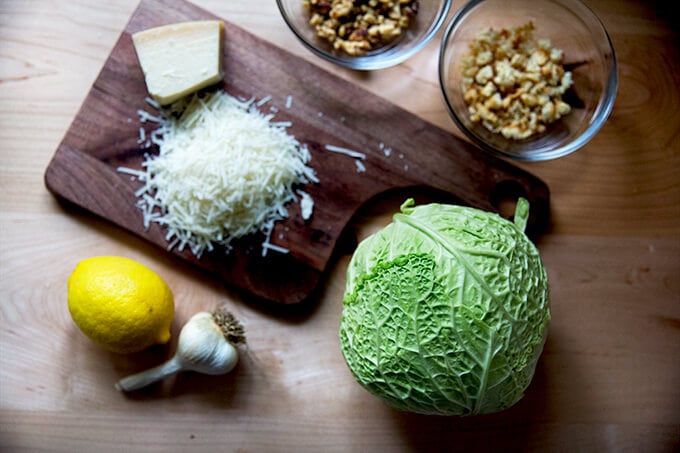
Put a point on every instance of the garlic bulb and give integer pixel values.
(206, 344)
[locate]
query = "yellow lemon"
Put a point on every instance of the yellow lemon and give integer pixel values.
(120, 304)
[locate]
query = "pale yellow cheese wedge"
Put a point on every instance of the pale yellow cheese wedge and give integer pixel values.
(181, 58)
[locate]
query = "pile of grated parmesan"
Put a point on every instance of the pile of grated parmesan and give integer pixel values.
(224, 170)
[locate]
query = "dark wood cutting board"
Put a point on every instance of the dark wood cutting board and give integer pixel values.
(325, 110)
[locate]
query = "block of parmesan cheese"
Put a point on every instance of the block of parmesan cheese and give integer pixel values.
(181, 58)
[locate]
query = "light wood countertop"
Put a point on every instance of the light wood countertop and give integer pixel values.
(609, 377)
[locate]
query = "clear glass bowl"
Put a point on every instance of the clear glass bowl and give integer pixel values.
(588, 53)
(428, 21)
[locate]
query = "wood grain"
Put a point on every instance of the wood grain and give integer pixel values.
(328, 111)
(607, 382)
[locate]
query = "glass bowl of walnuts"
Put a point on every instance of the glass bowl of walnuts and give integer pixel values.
(364, 34)
(528, 80)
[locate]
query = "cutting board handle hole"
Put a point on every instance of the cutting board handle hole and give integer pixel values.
(504, 197)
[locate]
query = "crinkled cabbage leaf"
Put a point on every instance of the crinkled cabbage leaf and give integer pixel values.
(446, 310)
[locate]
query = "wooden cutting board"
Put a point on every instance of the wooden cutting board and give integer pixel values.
(325, 110)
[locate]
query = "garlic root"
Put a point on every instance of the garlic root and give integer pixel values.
(206, 345)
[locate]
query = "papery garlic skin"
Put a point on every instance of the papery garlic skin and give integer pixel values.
(201, 347)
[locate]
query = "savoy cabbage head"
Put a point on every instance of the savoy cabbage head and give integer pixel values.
(446, 310)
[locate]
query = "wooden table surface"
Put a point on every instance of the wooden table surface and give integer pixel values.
(609, 377)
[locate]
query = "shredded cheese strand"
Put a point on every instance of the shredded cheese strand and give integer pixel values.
(223, 171)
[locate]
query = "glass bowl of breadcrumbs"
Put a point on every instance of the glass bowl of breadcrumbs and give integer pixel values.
(364, 34)
(528, 80)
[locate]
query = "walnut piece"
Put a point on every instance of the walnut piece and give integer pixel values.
(359, 26)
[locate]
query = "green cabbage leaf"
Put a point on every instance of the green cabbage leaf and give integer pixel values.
(446, 310)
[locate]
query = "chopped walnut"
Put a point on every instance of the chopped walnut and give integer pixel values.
(359, 26)
(513, 84)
